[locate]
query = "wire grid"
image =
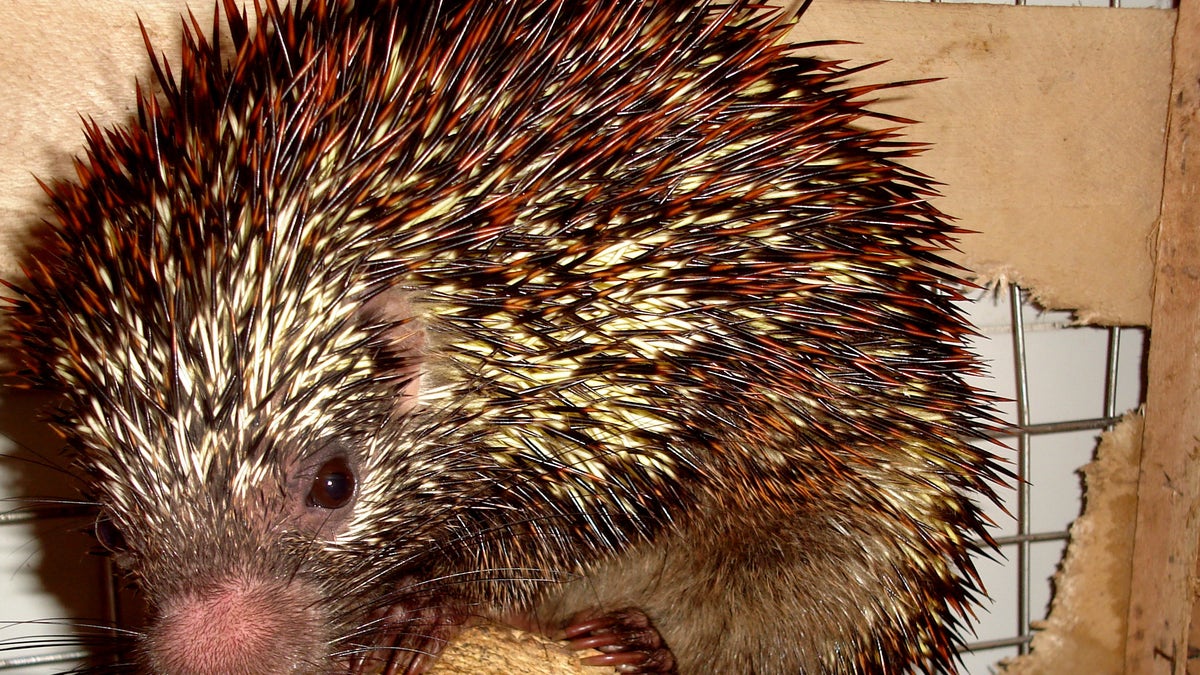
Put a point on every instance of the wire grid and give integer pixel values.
(1017, 547)
(50, 652)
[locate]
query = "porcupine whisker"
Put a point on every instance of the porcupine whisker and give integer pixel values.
(385, 625)
(106, 668)
(102, 639)
(101, 630)
(36, 457)
(466, 540)
(536, 575)
(61, 505)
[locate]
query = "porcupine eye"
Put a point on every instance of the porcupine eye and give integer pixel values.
(333, 486)
(110, 536)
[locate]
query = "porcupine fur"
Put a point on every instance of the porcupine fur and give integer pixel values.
(616, 293)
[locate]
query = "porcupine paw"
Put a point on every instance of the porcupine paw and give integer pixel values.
(411, 636)
(627, 640)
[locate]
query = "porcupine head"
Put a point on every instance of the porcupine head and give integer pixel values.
(597, 315)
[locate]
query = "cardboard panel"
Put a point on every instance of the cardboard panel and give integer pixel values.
(1047, 130)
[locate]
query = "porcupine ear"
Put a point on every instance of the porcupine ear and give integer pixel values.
(398, 337)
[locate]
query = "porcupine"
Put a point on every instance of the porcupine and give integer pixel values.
(605, 318)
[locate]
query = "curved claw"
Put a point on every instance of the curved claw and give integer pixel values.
(617, 660)
(627, 640)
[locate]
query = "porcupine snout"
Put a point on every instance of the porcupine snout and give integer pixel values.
(235, 591)
(240, 592)
(236, 626)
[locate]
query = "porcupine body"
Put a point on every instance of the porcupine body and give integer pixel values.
(604, 315)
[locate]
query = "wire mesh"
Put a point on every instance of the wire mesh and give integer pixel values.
(1023, 572)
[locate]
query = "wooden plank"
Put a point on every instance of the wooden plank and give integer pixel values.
(1164, 576)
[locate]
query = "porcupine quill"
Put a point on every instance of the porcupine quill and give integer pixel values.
(606, 318)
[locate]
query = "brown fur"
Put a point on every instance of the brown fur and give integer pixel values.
(763, 591)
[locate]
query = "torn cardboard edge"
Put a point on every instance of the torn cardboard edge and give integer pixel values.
(1085, 630)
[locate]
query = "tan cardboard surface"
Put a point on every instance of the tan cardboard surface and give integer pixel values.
(60, 62)
(1047, 130)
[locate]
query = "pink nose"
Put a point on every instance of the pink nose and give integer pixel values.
(234, 627)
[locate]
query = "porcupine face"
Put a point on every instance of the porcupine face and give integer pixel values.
(487, 290)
